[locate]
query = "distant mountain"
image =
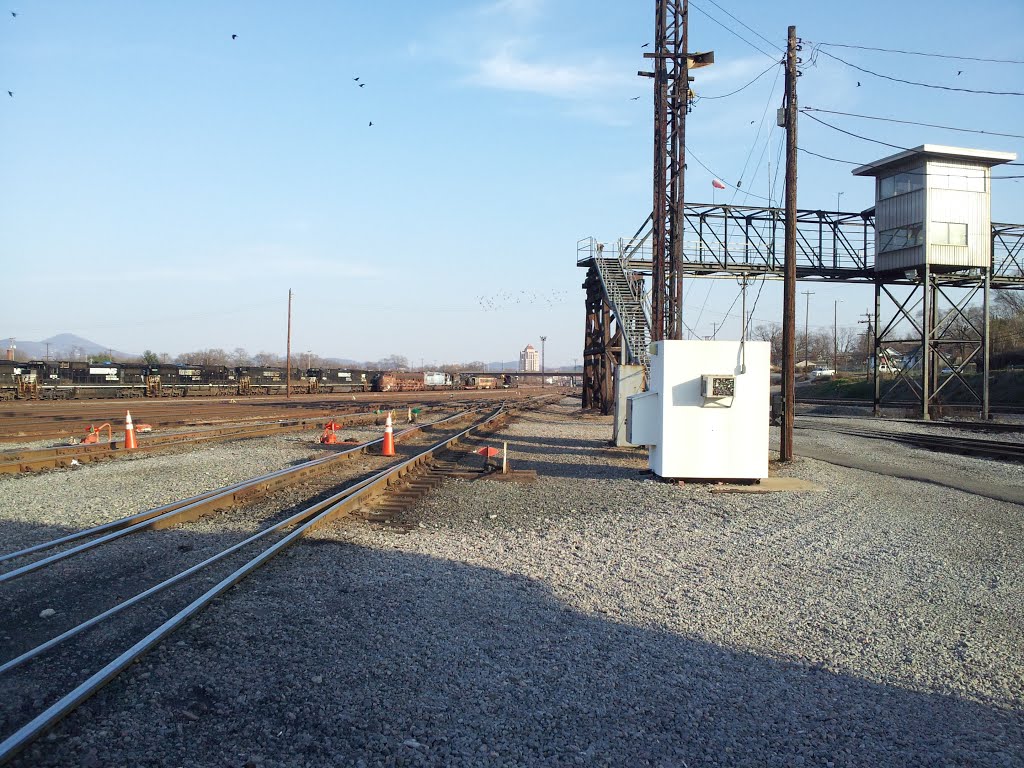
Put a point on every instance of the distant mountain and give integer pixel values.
(65, 346)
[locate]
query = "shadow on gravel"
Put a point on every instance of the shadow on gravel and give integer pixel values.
(344, 655)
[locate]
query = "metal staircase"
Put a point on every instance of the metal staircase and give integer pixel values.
(625, 297)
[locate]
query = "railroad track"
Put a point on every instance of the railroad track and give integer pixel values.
(968, 446)
(33, 460)
(972, 426)
(906, 404)
(46, 420)
(413, 470)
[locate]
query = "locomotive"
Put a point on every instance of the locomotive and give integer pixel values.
(60, 380)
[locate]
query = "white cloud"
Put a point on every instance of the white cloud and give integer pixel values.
(508, 70)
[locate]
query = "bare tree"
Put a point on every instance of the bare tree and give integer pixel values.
(772, 333)
(240, 357)
(268, 359)
(393, 363)
(1007, 304)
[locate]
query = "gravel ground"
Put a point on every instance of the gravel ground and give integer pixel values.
(38, 507)
(956, 471)
(889, 426)
(596, 617)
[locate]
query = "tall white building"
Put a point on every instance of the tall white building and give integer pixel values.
(529, 359)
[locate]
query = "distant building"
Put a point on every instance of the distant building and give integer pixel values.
(529, 359)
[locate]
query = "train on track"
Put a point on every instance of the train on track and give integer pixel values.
(67, 380)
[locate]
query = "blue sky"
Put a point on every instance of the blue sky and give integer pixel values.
(164, 185)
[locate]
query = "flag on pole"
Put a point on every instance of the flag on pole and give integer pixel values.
(717, 184)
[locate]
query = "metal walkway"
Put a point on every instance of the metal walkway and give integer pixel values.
(731, 240)
(728, 241)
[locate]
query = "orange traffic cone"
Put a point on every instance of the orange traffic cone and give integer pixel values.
(129, 432)
(388, 448)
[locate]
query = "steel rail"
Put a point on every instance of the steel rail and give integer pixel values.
(21, 460)
(353, 496)
(868, 403)
(973, 426)
(287, 522)
(192, 508)
(25, 460)
(994, 449)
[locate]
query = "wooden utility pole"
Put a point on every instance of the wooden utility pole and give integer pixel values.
(789, 289)
(288, 362)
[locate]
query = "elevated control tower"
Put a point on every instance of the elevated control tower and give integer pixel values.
(933, 229)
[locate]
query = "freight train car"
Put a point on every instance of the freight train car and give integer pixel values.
(332, 380)
(81, 380)
(399, 381)
(482, 382)
(437, 380)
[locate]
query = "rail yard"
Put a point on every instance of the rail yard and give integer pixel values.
(322, 445)
(268, 599)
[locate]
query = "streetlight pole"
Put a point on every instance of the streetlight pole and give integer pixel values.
(542, 340)
(835, 335)
(288, 354)
(807, 338)
(838, 195)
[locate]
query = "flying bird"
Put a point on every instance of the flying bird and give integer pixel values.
(371, 124)
(234, 37)
(362, 85)
(356, 79)
(14, 15)
(11, 94)
(858, 83)
(959, 72)
(752, 122)
(634, 98)
(645, 45)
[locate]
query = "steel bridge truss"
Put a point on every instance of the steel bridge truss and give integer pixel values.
(733, 241)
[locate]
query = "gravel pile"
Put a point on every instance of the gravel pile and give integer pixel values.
(596, 617)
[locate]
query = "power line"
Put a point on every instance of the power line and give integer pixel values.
(913, 122)
(923, 53)
(733, 93)
(866, 138)
(715, 175)
(731, 31)
(780, 48)
(855, 135)
(757, 136)
(920, 85)
(912, 173)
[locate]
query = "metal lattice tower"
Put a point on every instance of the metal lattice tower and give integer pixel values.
(671, 91)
